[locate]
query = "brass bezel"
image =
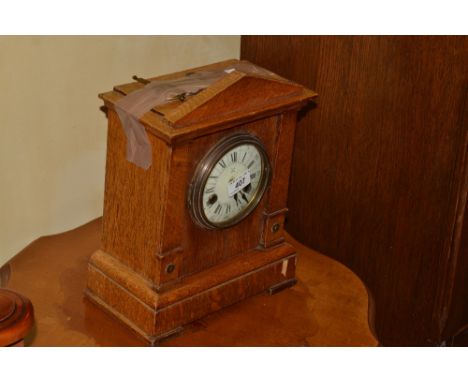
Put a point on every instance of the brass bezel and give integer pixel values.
(203, 171)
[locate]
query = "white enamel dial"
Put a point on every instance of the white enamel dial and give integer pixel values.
(229, 181)
(233, 183)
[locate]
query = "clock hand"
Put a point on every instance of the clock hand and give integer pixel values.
(244, 197)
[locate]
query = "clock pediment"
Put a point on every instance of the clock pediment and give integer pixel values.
(242, 91)
(239, 94)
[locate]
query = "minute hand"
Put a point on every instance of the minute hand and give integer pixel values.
(244, 197)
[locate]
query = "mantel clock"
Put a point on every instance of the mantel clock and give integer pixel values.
(201, 226)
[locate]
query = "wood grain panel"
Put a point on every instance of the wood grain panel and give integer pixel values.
(136, 194)
(375, 175)
(225, 243)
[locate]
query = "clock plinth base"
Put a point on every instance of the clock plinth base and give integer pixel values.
(158, 314)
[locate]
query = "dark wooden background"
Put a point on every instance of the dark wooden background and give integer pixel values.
(379, 170)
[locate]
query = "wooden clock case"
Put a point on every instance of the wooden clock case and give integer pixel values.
(156, 269)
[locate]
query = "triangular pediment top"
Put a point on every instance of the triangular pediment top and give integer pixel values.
(242, 94)
(238, 88)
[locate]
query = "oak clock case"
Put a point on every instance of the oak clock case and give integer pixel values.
(172, 252)
(229, 182)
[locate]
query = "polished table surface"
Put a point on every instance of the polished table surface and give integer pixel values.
(327, 307)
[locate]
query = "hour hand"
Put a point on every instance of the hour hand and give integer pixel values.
(244, 197)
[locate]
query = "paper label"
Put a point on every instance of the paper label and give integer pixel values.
(239, 183)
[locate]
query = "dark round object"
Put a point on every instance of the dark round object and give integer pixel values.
(170, 268)
(275, 227)
(16, 317)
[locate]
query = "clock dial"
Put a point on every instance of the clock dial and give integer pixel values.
(233, 183)
(230, 182)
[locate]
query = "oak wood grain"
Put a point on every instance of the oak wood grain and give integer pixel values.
(134, 195)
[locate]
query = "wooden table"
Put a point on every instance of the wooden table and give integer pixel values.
(327, 307)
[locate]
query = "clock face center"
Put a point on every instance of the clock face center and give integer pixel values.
(235, 182)
(227, 189)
